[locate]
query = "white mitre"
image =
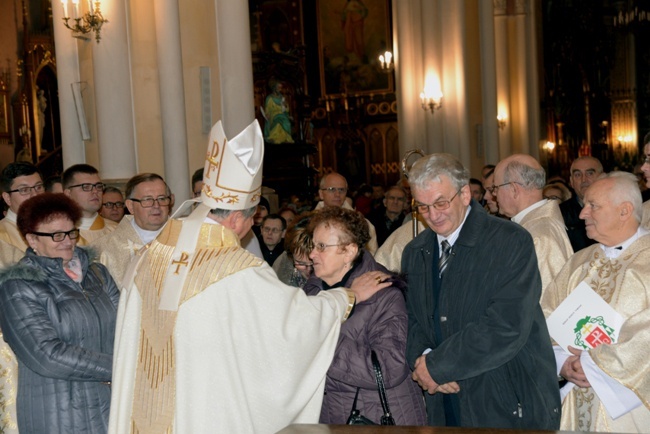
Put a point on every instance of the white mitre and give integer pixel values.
(232, 176)
(232, 180)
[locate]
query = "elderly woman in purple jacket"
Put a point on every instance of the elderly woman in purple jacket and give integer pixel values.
(378, 324)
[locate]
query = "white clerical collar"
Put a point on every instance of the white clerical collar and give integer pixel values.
(11, 216)
(454, 235)
(87, 222)
(523, 213)
(145, 236)
(614, 252)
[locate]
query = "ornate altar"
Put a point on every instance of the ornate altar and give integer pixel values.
(351, 129)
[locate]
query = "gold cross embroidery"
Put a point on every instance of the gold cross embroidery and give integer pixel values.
(213, 163)
(182, 261)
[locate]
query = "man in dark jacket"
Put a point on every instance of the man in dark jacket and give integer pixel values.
(477, 338)
(584, 171)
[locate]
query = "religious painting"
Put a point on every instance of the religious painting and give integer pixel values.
(352, 34)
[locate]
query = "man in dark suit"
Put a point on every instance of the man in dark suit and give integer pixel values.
(477, 338)
(584, 171)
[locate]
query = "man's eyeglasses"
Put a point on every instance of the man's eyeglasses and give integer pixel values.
(57, 237)
(333, 190)
(439, 205)
(322, 246)
(111, 205)
(148, 202)
(26, 191)
(100, 186)
(495, 188)
(301, 264)
(271, 230)
(396, 198)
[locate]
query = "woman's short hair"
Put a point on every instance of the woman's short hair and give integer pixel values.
(351, 223)
(45, 208)
(297, 240)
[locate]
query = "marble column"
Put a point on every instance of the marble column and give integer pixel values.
(67, 70)
(503, 77)
(114, 107)
(172, 98)
(488, 83)
(235, 65)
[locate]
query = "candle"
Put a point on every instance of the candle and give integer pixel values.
(76, 8)
(64, 3)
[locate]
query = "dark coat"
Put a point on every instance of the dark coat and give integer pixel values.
(378, 324)
(62, 333)
(494, 341)
(575, 227)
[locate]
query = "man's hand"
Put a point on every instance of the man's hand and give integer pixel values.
(451, 387)
(366, 285)
(572, 369)
(422, 377)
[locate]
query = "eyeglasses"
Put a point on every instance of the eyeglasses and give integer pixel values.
(495, 188)
(271, 230)
(148, 202)
(395, 198)
(111, 205)
(322, 246)
(26, 191)
(333, 190)
(300, 264)
(646, 159)
(439, 205)
(90, 187)
(59, 236)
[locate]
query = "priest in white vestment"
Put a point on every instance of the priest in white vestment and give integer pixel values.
(520, 180)
(208, 339)
(608, 387)
(149, 201)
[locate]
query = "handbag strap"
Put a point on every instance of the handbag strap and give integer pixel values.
(354, 403)
(386, 419)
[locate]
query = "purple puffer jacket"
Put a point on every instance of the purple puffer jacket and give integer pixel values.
(380, 324)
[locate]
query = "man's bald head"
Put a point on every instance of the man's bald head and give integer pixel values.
(520, 180)
(333, 189)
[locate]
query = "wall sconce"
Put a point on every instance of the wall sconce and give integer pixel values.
(93, 20)
(431, 100)
(386, 62)
(502, 121)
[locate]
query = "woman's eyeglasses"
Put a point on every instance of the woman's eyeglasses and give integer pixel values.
(57, 237)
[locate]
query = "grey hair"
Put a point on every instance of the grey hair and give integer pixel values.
(625, 189)
(429, 169)
(529, 177)
(222, 214)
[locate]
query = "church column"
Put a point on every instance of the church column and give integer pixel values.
(503, 80)
(488, 83)
(114, 108)
(409, 75)
(235, 65)
(67, 71)
(521, 134)
(172, 98)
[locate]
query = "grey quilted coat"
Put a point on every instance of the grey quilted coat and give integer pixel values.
(62, 334)
(380, 324)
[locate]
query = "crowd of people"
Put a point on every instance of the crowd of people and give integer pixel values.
(243, 317)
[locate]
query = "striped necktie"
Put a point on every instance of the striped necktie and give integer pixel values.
(444, 257)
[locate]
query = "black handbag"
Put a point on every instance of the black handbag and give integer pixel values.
(356, 418)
